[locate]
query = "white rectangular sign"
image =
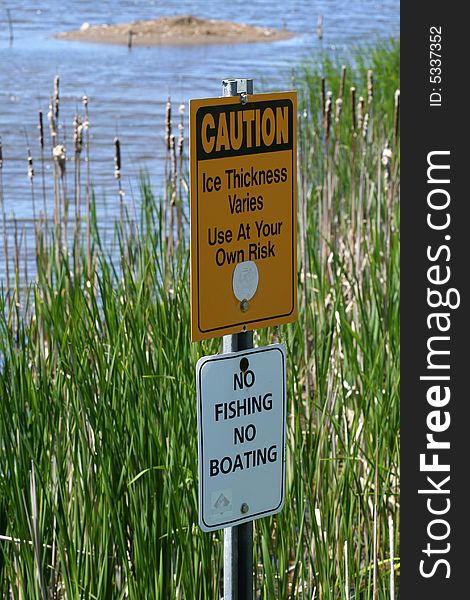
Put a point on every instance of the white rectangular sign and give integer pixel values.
(241, 403)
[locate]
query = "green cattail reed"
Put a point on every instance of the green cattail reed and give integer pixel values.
(17, 289)
(396, 117)
(34, 529)
(370, 98)
(353, 163)
(5, 235)
(57, 208)
(338, 111)
(86, 128)
(392, 556)
(181, 131)
(26, 277)
(365, 126)
(173, 163)
(303, 164)
(59, 157)
(54, 493)
(172, 208)
(117, 159)
(17, 269)
(78, 146)
(43, 174)
(375, 532)
(342, 85)
(52, 123)
(387, 164)
(365, 198)
(323, 96)
(56, 99)
(77, 134)
(327, 117)
(326, 182)
(41, 130)
(168, 124)
(180, 172)
(31, 183)
(387, 156)
(360, 113)
(357, 227)
(59, 153)
(117, 175)
(353, 109)
(166, 189)
(370, 87)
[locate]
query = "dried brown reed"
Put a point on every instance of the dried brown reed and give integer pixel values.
(5, 235)
(68, 245)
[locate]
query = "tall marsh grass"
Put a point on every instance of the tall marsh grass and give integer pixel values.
(98, 442)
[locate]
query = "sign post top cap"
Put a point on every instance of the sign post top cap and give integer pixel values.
(233, 87)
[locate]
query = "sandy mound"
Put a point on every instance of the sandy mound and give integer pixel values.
(181, 30)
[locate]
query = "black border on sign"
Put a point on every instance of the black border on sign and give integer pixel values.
(294, 217)
(266, 512)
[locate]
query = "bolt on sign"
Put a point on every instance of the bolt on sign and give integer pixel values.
(241, 403)
(243, 213)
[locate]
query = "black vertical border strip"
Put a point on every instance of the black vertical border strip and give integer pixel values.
(424, 129)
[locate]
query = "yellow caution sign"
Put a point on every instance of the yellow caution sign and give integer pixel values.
(243, 213)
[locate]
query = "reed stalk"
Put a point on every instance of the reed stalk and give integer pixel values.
(78, 146)
(180, 174)
(86, 127)
(98, 469)
(43, 175)
(167, 194)
(342, 85)
(396, 117)
(10, 27)
(5, 234)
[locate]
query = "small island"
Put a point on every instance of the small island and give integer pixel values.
(179, 30)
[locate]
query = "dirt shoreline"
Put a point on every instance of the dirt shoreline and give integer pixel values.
(181, 30)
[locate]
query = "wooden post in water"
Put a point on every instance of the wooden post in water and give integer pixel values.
(238, 540)
(10, 26)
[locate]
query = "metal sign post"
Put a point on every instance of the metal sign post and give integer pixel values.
(238, 540)
(243, 277)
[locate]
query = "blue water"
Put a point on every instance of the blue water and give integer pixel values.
(127, 90)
